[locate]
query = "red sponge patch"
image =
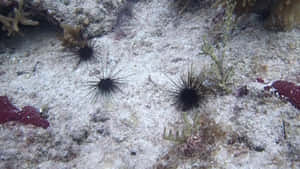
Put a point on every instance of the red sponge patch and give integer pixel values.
(8, 112)
(287, 90)
(28, 115)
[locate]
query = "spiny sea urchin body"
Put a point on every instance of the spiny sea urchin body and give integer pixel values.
(188, 91)
(85, 53)
(106, 85)
(74, 40)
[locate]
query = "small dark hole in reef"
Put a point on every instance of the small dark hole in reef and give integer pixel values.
(258, 148)
(242, 91)
(133, 153)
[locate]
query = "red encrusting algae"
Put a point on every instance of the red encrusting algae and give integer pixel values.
(287, 90)
(28, 115)
(8, 112)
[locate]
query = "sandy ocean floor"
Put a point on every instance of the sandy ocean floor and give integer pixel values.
(125, 132)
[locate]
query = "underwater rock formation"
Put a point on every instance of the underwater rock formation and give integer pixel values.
(253, 6)
(284, 15)
(280, 15)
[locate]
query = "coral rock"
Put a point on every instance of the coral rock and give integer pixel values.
(284, 15)
(280, 15)
(253, 6)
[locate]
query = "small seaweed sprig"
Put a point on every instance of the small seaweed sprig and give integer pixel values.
(189, 129)
(219, 75)
(189, 5)
(224, 22)
(184, 5)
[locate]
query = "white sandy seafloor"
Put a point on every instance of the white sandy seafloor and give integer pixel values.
(126, 132)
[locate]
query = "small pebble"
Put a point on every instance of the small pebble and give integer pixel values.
(2, 73)
(66, 2)
(242, 91)
(104, 131)
(78, 11)
(44, 111)
(79, 136)
(86, 21)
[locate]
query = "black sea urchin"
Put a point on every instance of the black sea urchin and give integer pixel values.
(74, 40)
(106, 85)
(188, 91)
(85, 53)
